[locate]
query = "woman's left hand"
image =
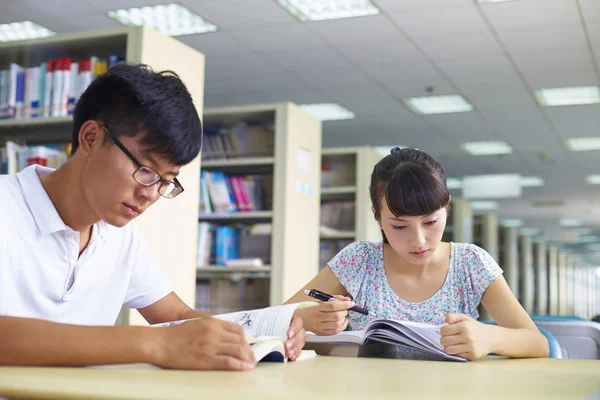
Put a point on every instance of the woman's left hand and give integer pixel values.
(465, 337)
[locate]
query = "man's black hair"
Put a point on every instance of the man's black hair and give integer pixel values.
(132, 99)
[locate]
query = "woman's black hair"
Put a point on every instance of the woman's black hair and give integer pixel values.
(411, 182)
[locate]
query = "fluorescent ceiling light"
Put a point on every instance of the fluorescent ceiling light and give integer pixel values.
(487, 148)
(328, 111)
(454, 183)
(583, 144)
(438, 104)
(512, 223)
(588, 239)
(593, 179)
(170, 19)
(321, 10)
(570, 96)
(25, 30)
(570, 222)
(530, 231)
(484, 205)
(531, 181)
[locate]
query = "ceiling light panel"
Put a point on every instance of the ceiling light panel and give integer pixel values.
(583, 144)
(321, 10)
(438, 104)
(570, 96)
(170, 19)
(328, 111)
(25, 30)
(487, 148)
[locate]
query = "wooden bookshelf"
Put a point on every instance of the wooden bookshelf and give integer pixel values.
(295, 167)
(347, 182)
(244, 216)
(137, 45)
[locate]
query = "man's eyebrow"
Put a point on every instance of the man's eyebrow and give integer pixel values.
(148, 155)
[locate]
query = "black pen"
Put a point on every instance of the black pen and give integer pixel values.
(327, 297)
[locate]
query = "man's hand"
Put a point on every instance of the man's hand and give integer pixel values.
(206, 343)
(296, 339)
(464, 337)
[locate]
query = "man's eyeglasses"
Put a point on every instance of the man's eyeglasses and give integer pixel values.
(146, 176)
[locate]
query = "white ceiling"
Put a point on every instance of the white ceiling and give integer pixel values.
(494, 54)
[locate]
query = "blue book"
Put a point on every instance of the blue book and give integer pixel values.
(226, 244)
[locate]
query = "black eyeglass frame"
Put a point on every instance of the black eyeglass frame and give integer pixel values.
(161, 180)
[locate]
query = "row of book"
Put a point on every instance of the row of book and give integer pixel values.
(338, 171)
(49, 89)
(15, 157)
(219, 245)
(219, 296)
(240, 140)
(221, 193)
(338, 215)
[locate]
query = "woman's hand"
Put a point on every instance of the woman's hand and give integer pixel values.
(328, 318)
(464, 337)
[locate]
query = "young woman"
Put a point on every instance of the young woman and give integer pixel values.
(413, 275)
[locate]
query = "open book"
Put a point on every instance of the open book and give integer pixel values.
(385, 338)
(265, 328)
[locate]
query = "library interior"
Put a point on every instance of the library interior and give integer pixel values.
(302, 104)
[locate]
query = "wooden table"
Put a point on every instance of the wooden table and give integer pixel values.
(322, 378)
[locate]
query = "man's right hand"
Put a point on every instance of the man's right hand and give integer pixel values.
(328, 318)
(203, 344)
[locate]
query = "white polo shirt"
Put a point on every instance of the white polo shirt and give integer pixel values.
(42, 275)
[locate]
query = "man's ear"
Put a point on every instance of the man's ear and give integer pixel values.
(90, 137)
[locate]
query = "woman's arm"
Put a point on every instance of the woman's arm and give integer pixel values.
(516, 335)
(329, 317)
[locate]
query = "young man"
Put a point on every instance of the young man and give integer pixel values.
(71, 255)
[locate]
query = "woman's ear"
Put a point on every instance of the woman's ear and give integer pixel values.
(375, 217)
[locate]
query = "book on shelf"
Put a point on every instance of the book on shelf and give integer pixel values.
(222, 295)
(338, 215)
(48, 89)
(265, 329)
(15, 157)
(222, 193)
(339, 170)
(238, 141)
(385, 338)
(220, 245)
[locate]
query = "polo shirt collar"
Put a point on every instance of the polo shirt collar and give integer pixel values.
(44, 213)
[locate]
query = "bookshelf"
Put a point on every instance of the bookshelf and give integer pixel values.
(138, 45)
(345, 214)
(267, 157)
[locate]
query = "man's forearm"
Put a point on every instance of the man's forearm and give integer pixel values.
(191, 313)
(25, 341)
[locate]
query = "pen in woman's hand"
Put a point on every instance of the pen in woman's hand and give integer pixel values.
(314, 293)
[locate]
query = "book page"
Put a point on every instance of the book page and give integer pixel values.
(270, 321)
(356, 337)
